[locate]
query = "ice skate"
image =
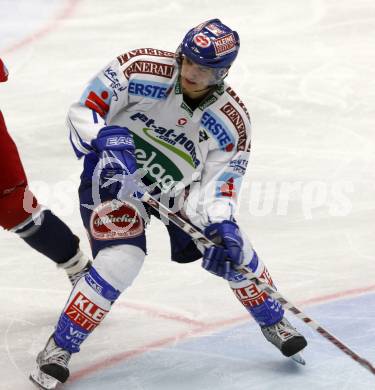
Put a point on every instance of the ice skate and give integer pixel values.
(52, 366)
(75, 276)
(76, 267)
(287, 339)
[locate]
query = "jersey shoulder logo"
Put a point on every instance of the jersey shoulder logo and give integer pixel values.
(218, 129)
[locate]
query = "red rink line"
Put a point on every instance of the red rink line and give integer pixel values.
(338, 295)
(151, 311)
(65, 13)
(198, 329)
(121, 357)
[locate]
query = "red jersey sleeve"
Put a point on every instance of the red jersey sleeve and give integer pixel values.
(3, 72)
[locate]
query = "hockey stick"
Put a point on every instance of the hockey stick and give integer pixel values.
(248, 274)
(288, 305)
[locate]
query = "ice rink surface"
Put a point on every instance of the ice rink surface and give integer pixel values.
(306, 72)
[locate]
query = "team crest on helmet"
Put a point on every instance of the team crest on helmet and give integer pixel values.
(202, 40)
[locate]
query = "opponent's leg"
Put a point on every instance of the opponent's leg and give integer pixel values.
(44, 232)
(49, 235)
(21, 213)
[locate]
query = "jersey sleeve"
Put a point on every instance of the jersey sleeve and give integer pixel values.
(215, 196)
(103, 97)
(139, 76)
(3, 72)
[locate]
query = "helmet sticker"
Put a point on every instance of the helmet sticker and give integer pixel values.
(214, 29)
(200, 27)
(202, 40)
(225, 44)
(211, 44)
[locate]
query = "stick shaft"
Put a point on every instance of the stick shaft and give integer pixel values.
(248, 274)
(288, 305)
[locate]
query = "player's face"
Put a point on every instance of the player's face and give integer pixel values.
(195, 79)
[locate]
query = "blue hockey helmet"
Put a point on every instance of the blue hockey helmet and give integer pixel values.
(211, 44)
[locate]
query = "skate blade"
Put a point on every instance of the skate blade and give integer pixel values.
(42, 380)
(298, 359)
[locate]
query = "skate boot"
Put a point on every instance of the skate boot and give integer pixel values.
(285, 337)
(76, 267)
(52, 366)
(75, 276)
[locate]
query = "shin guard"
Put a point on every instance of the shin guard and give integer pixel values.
(88, 304)
(265, 310)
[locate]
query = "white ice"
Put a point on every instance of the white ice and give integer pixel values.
(306, 71)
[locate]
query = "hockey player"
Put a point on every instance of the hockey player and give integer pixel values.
(21, 213)
(172, 115)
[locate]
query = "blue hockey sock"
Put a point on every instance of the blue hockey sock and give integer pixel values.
(265, 310)
(267, 313)
(88, 304)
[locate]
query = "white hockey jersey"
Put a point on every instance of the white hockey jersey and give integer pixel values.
(205, 150)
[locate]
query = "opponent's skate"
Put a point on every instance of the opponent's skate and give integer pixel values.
(286, 338)
(76, 267)
(75, 276)
(52, 366)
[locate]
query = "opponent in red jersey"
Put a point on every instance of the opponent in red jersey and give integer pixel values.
(37, 226)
